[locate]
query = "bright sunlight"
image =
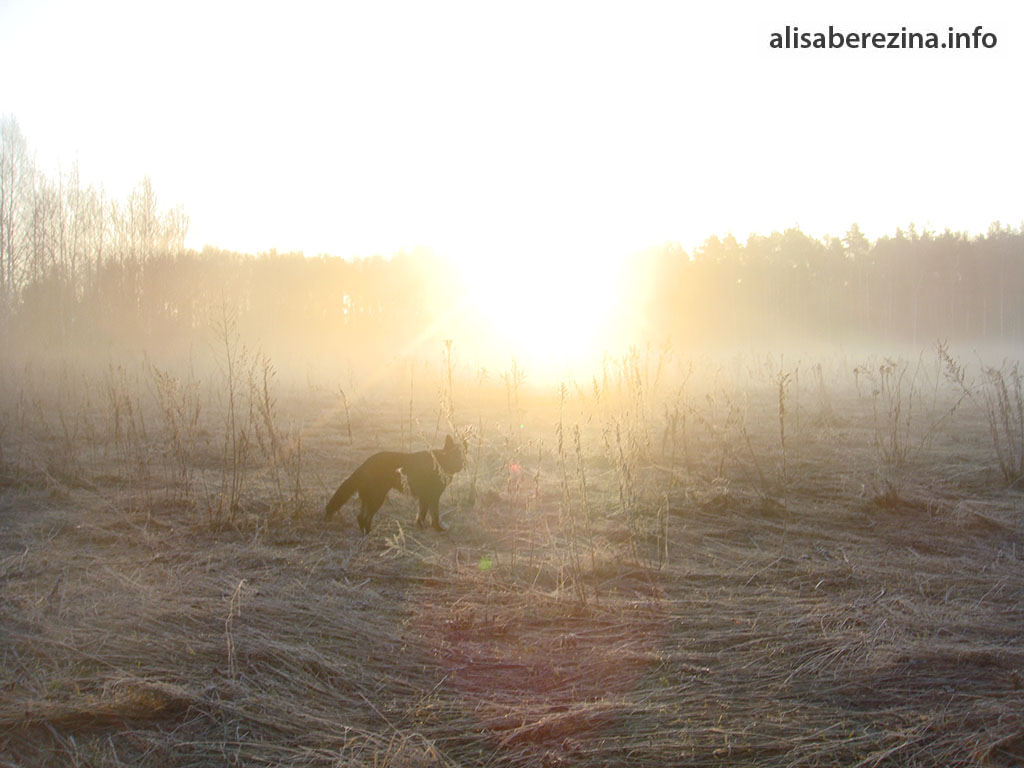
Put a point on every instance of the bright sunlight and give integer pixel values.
(552, 314)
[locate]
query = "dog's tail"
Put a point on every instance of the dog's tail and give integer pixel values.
(343, 494)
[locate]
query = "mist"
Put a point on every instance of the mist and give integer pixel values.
(710, 501)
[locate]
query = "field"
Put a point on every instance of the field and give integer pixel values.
(748, 562)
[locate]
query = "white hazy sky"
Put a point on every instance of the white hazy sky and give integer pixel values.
(562, 129)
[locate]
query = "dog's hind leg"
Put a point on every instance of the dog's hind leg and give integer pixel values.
(369, 509)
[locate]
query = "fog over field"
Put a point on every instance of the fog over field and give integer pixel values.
(726, 338)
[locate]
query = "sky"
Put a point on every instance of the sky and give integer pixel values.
(562, 134)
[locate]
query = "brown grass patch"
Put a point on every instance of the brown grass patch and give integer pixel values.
(694, 610)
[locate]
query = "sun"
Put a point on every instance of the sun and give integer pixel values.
(553, 312)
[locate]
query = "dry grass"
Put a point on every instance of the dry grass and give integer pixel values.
(598, 602)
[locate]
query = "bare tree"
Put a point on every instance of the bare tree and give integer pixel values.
(16, 173)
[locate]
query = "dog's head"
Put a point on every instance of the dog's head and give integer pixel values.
(452, 456)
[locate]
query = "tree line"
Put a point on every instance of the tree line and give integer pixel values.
(908, 288)
(77, 266)
(66, 247)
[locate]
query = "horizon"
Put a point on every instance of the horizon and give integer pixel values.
(540, 150)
